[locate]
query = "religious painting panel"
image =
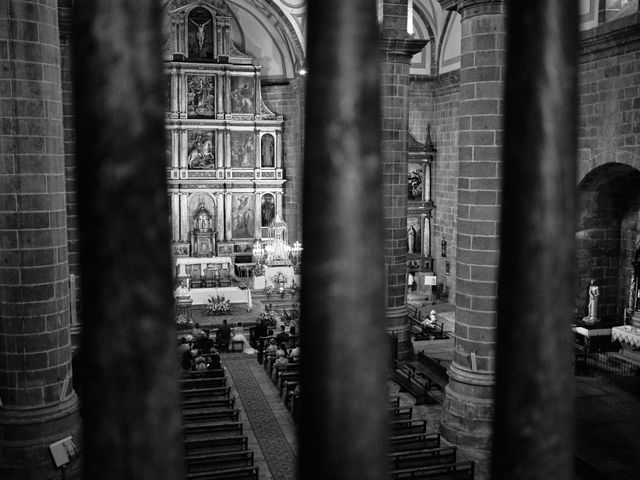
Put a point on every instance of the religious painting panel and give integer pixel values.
(201, 150)
(268, 210)
(416, 181)
(242, 215)
(414, 234)
(243, 150)
(267, 151)
(243, 95)
(200, 34)
(196, 204)
(201, 96)
(169, 148)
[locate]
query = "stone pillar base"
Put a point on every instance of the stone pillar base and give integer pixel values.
(467, 418)
(397, 323)
(25, 436)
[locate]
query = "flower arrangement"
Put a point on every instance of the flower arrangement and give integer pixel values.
(268, 290)
(183, 322)
(269, 317)
(218, 306)
(258, 270)
(279, 278)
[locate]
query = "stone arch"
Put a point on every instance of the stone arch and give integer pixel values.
(607, 225)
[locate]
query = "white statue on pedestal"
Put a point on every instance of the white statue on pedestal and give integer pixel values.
(594, 293)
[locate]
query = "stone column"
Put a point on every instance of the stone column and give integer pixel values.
(469, 396)
(397, 50)
(38, 405)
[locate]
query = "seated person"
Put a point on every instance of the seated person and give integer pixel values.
(205, 343)
(272, 347)
(197, 332)
(294, 355)
(281, 359)
(282, 336)
(213, 362)
(429, 323)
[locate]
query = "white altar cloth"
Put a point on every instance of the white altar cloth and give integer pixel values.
(200, 296)
(592, 332)
(202, 261)
(626, 334)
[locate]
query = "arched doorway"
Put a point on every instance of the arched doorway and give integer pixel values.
(608, 225)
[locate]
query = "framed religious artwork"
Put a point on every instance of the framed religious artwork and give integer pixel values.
(242, 215)
(243, 94)
(201, 96)
(201, 149)
(243, 149)
(268, 210)
(415, 181)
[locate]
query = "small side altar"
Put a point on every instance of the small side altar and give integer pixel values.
(202, 262)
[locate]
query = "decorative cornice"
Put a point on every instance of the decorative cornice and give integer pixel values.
(402, 46)
(618, 34)
(476, 7)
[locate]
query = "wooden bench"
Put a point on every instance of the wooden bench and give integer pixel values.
(406, 427)
(211, 415)
(204, 430)
(200, 393)
(238, 473)
(215, 373)
(455, 471)
(220, 402)
(422, 458)
(218, 461)
(400, 413)
(414, 441)
(417, 384)
(199, 383)
(394, 402)
(433, 369)
(195, 446)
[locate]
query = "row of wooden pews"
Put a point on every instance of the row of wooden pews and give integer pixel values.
(418, 455)
(286, 378)
(215, 445)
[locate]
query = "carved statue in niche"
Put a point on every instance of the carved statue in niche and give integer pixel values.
(267, 151)
(201, 151)
(268, 210)
(593, 293)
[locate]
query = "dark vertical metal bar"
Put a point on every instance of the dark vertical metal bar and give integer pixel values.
(129, 387)
(345, 350)
(533, 426)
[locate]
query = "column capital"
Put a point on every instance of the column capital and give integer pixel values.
(472, 8)
(402, 46)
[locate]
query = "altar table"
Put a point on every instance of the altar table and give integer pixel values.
(181, 262)
(626, 334)
(200, 296)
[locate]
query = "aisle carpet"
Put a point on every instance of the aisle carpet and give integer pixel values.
(278, 454)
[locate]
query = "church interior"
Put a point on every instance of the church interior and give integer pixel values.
(280, 239)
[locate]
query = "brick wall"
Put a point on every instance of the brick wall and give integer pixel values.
(288, 100)
(609, 159)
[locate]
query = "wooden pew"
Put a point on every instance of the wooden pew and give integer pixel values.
(406, 427)
(422, 458)
(417, 384)
(414, 441)
(218, 461)
(220, 402)
(215, 392)
(204, 430)
(394, 402)
(214, 445)
(215, 373)
(435, 329)
(455, 471)
(432, 369)
(200, 383)
(238, 473)
(211, 415)
(400, 413)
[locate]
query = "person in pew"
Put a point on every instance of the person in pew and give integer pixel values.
(239, 336)
(213, 361)
(429, 323)
(260, 330)
(281, 359)
(205, 343)
(197, 332)
(223, 335)
(272, 347)
(183, 345)
(294, 355)
(186, 360)
(282, 337)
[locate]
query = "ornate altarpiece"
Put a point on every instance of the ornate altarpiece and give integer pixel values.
(224, 145)
(420, 204)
